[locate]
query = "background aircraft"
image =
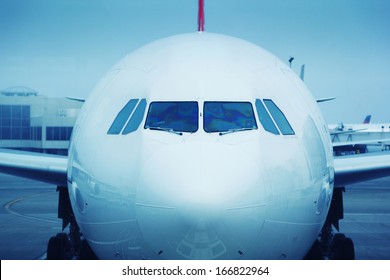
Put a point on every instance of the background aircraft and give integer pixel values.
(360, 138)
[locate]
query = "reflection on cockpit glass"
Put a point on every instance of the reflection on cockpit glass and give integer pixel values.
(173, 116)
(228, 116)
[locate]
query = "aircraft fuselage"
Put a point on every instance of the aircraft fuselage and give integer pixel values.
(200, 146)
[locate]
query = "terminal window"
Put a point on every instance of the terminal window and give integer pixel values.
(58, 133)
(15, 122)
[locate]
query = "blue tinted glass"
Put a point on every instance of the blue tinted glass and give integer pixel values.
(226, 116)
(16, 111)
(265, 118)
(36, 133)
(16, 122)
(136, 118)
(63, 133)
(279, 118)
(53, 133)
(6, 133)
(6, 122)
(26, 133)
(25, 122)
(16, 133)
(49, 133)
(39, 133)
(56, 133)
(69, 132)
(25, 112)
(175, 116)
(6, 111)
(122, 117)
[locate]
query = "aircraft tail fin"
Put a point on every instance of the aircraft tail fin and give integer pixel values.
(367, 120)
(201, 16)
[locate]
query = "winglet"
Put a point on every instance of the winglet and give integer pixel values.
(325, 99)
(201, 16)
(76, 99)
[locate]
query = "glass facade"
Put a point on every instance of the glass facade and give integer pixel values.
(58, 133)
(15, 122)
(36, 133)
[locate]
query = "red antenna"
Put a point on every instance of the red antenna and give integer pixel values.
(201, 16)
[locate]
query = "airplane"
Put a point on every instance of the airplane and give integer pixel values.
(199, 146)
(360, 138)
(365, 126)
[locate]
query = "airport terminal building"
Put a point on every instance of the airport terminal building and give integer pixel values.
(32, 122)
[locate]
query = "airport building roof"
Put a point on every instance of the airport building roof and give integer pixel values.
(19, 91)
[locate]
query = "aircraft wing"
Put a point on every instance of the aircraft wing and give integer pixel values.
(363, 167)
(336, 132)
(53, 168)
(42, 167)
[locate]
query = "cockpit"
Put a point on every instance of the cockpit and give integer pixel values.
(221, 117)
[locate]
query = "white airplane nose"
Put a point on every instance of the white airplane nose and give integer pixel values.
(203, 201)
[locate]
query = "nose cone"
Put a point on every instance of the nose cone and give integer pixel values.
(200, 202)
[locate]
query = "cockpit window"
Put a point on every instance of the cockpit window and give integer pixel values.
(173, 116)
(265, 119)
(279, 118)
(134, 109)
(136, 118)
(122, 117)
(228, 117)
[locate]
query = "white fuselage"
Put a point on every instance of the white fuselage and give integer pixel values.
(154, 194)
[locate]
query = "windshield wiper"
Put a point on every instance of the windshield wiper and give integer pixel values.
(236, 130)
(166, 129)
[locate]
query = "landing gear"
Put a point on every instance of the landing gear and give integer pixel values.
(59, 247)
(315, 252)
(330, 245)
(67, 246)
(342, 248)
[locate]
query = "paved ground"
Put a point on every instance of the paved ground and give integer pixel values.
(28, 218)
(367, 218)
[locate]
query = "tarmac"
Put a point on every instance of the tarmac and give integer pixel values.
(28, 218)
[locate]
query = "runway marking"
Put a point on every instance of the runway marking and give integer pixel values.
(8, 206)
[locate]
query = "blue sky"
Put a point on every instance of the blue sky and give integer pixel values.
(63, 47)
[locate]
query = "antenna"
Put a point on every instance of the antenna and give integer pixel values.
(201, 16)
(290, 60)
(302, 75)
